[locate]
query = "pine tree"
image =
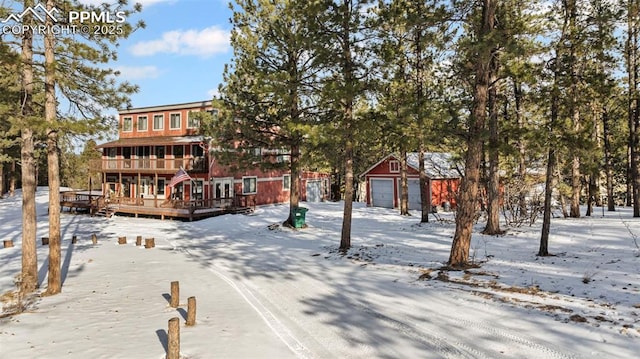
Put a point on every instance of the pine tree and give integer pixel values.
(268, 86)
(484, 50)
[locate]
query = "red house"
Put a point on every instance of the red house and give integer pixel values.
(383, 180)
(156, 143)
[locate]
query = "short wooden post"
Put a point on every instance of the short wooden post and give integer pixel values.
(191, 311)
(173, 347)
(74, 239)
(138, 241)
(8, 243)
(122, 240)
(45, 241)
(94, 239)
(175, 294)
(149, 242)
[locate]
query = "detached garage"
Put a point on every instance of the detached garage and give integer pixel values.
(383, 180)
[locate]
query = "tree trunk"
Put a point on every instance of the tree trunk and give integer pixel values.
(493, 184)
(294, 183)
(13, 179)
(548, 192)
(404, 185)
(468, 197)
(2, 180)
(608, 164)
(53, 160)
(633, 15)
(522, 152)
(425, 188)
(345, 238)
(29, 280)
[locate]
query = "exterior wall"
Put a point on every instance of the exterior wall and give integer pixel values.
(166, 112)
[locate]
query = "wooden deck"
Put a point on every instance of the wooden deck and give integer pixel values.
(96, 204)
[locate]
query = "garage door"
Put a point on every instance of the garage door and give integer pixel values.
(414, 194)
(314, 193)
(382, 193)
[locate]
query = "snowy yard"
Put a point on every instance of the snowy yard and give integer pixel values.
(279, 293)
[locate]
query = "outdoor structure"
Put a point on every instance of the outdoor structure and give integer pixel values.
(160, 166)
(383, 181)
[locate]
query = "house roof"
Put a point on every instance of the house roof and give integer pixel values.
(179, 106)
(436, 164)
(151, 141)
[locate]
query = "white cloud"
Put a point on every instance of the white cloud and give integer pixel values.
(138, 72)
(213, 93)
(206, 42)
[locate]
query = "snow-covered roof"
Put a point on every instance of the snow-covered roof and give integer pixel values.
(437, 164)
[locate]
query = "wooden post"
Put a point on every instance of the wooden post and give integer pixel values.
(122, 240)
(8, 243)
(191, 311)
(173, 347)
(74, 239)
(45, 241)
(138, 240)
(175, 294)
(94, 238)
(149, 242)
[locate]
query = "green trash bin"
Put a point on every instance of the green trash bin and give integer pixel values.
(299, 216)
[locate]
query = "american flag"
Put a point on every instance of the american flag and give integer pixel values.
(180, 176)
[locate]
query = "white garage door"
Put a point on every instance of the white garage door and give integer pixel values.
(414, 194)
(314, 191)
(382, 193)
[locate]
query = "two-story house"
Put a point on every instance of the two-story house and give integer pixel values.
(155, 143)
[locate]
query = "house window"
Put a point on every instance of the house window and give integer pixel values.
(174, 122)
(249, 185)
(158, 122)
(127, 124)
(161, 186)
(394, 166)
(197, 191)
(192, 120)
(142, 123)
(286, 182)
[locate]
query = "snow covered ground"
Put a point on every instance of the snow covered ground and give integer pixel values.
(277, 293)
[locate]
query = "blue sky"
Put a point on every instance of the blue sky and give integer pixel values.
(180, 55)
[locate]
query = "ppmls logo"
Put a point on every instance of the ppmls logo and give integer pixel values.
(39, 12)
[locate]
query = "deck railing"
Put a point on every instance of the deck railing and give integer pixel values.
(198, 164)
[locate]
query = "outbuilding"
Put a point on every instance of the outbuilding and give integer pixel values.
(383, 180)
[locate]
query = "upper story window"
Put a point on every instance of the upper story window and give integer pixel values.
(158, 122)
(192, 120)
(175, 121)
(394, 166)
(286, 182)
(127, 124)
(143, 123)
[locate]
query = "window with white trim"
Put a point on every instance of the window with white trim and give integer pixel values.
(143, 123)
(192, 120)
(286, 182)
(249, 185)
(127, 124)
(158, 122)
(394, 166)
(174, 121)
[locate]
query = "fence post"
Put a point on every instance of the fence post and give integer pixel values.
(122, 240)
(45, 241)
(149, 243)
(74, 239)
(173, 347)
(175, 294)
(8, 243)
(191, 311)
(94, 238)
(138, 240)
